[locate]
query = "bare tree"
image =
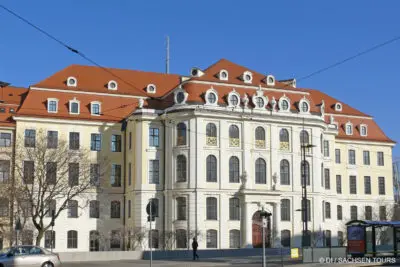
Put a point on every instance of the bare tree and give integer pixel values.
(51, 175)
(135, 237)
(168, 239)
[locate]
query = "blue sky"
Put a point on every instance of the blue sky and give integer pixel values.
(285, 38)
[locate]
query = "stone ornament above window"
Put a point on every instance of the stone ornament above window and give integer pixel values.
(284, 104)
(233, 99)
(259, 100)
(304, 105)
(211, 97)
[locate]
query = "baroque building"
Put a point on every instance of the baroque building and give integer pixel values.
(212, 149)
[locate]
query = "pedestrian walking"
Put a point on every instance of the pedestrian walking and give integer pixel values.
(195, 245)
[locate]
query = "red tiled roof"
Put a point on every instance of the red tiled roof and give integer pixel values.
(11, 97)
(95, 79)
(113, 108)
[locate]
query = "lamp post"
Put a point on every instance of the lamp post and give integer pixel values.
(264, 215)
(304, 207)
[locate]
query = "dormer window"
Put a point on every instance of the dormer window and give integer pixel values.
(74, 106)
(112, 85)
(247, 77)
(72, 81)
(259, 100)
(363, 130)
(211, 97)
(270, 80)
(233, 99)
(304, 106)
(284, 103)
(349, 128)
(180, 97)
(223, 75)
(338, 107)
(196, 72)
(52, 105)
(95, 108)
(151, 89)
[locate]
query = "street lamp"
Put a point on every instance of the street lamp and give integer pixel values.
(304, 205)
(264, 215)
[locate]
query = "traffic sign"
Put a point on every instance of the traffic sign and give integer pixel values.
(153, 209)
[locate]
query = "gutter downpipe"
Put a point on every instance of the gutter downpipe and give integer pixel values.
(165, 172)
(124, 160)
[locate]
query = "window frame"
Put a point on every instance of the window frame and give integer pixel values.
(380, 158)
(181, 169)
(366, 157)
(284, 168)
(285, 210)
(154, 171)
(234, 173)
(211, 169)
(260, 171)
(116, 175)
(211, 209)
(5, 142)
(367, 185)
(181, 208)
(92, 108)
(352, 157)
(338, 184)
(78, 104)
(74, 141)
(116, 143)
(73, 208)
(95, 142)
(154, 137)
(353, 184)
(337, 156)
(234, 209)
(72, 239)
(381, 185)
(52, 139)
(49, 105)
(115, 209)
(181, 134)
(30, 138)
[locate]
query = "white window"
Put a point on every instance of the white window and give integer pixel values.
(233, 99)
(349, 128)
(151, 89)
(211, 97)
(95, 108)
(223, 75)
(112, 85)
(180, 97)
(52, 105)
(72, 81)
(284, 103)
(338, 107)
(270, 80)
(304, 106)
(363, 130)
(74, 106)
(247, 77)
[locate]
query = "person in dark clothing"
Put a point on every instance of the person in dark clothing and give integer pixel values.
(195, 245)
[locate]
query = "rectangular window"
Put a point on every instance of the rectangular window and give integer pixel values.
(95, 109)
(366, 157)
(116, 175)
(51, 173)
(30, 138)
(52, 106)
(326, 148)
(115, 240)
(94, 209)
(73, 141)
(181, 208)
(95, 142)
(367, 185)
(211, 204)
(327, 210)
(52, 139)
(116, 143)
(339, 213)
(95, 174)
(5, 139)
(49, 239)
(29, 172)
(368, 212)
(352, 157)
(154, 171)
(337, 155)
(234, 209)
(338, 184)
(129, 208)
(130, 174)
(72, 209)
(154, 137)
(115, 210)
(130, 140)
(52, 207)
(381, 161)
(73, 174)
(353, 185)
(4, 171)
(353, 213)
(381, 184)
(327, 179)
(72, 239)
(382, 213)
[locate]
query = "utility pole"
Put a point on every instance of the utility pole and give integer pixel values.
(167, 58)
(151, 240)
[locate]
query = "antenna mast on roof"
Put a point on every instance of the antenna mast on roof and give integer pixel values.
(167, 59)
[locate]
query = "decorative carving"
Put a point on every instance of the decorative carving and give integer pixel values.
(141, 103)
(243, 179)
(245, 101)
(273, 103)
(322, 108)
(332, 120)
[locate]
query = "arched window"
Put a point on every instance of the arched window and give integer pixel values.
(154, 238)
(285, 210)
(181, 238)
(234, 170)
(304, 137)
(72, 239)
(181, 134)
(181, 168)
(260, 137)
(261, 171)
(234, 136)
(305, 172)
(211, 203)
(212, 239)
(285, 238)
(234, 239)
(285, 172)
(211, 168)
(211, 133)
(284, 139)
(94, 241)
(234, 209)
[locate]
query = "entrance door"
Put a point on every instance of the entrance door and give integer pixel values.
(257, 231)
